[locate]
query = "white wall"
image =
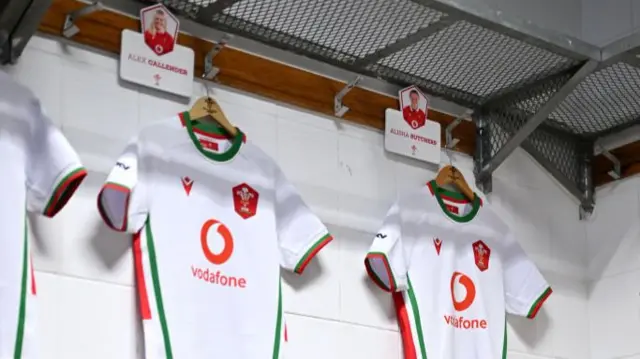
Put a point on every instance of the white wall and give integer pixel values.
(84, 271)
(613, 247)
(604, 21)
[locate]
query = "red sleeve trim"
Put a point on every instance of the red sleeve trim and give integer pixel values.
(63, 191)
(103, 214)
(535, 308)
(312, 252)
(374, 276)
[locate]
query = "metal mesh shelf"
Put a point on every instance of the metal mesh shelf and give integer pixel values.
(471, 59)
(604, 100)
(330, 21)
(507, 71)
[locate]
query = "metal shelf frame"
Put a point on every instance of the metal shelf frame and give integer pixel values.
(551, 94)
(19, 20)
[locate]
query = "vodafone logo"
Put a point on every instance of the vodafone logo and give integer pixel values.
(463, 294)
(462, 302)
(214, 230)
(222, 231)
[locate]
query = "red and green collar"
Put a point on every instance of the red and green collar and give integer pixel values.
(442, 194)
(213, 131)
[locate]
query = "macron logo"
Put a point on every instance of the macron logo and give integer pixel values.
(122, 165)
(380, 235)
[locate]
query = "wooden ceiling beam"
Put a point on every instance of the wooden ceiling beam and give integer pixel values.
(251, 73)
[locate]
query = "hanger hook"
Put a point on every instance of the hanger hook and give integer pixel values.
(455, 175)
(447, 151)
(206, 86)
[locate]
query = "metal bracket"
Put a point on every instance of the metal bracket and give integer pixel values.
(482, 152)
(616, 172)
(587, 200)
(538, 118)
(451, 142)
(210, 71)
(69, 29)
(6, 50)
(338, 108)
(585, 211)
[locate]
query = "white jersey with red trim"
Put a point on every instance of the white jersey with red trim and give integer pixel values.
(215, 220)
(40, 172)
(455, 269)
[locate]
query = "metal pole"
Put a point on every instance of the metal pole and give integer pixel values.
(483, 151)
(587, 202)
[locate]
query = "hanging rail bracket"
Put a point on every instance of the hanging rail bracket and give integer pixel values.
(338, 108)
(616, 172)
(451, 142)
(210, 71)
(70, 29)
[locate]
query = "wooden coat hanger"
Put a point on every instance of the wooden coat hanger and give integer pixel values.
(451, 175)
(207, 106)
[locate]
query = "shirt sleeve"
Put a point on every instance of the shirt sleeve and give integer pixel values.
(525, 287)
(385, 263)
(301, 234)
(54, 171)
(122, 200)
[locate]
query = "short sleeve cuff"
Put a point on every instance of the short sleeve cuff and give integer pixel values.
(379, 270)
(312, 251)
(65, 186)
(113, 205)
(535, 307)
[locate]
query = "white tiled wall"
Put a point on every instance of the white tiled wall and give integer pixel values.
(85, 271)
(613, 248)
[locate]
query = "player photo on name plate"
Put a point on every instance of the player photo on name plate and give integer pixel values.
(160, 28)
(413, 104)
